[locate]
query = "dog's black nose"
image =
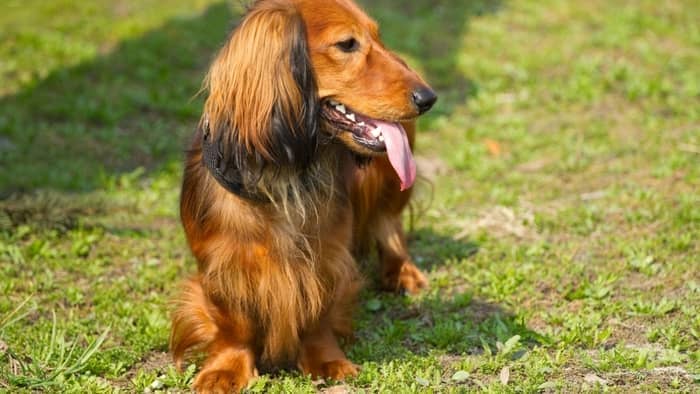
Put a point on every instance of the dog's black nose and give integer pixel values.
(424, 98)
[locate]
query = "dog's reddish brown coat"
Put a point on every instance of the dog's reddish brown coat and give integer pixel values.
(259, 298)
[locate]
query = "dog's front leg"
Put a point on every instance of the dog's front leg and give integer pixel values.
(398, 273)
(322, 357)
(230, 363)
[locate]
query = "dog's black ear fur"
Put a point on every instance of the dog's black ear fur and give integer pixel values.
(231, 170)
(263, 107)
(294, 142)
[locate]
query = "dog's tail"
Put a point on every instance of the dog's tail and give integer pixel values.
(193, 321)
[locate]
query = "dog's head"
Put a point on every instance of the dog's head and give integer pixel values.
(295, 71)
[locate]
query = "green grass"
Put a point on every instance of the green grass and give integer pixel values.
(559, 228)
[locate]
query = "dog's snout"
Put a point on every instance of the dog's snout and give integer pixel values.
(424, 99)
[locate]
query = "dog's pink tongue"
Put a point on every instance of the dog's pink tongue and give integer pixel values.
(399, 152)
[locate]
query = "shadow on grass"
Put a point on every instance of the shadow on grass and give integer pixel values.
(432, 249)
(131, 108)
(449, 320)
(460, 325)
(134, 107)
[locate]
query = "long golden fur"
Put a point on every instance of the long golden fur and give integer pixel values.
(277, 280)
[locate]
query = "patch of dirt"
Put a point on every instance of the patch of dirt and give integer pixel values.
(339, 389)
(154, 361)
(481, 310)
(662, 377)
(500, 221)
(535, 165)
(629, 331)
(432, 167)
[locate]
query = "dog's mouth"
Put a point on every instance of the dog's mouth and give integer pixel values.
(365, 131)
(375, 135)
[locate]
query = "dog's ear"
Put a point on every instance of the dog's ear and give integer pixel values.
(262, 106)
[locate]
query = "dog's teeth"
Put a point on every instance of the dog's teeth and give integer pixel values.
(341, 108)
(381, 138)
(351, 117)
(334, 103)
(377, 132)
(361, 124)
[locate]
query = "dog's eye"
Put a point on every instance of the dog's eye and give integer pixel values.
(349, 45)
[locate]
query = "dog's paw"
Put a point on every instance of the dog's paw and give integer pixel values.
(221, 382)
(340, 369)
(409, 279)
(336, 369)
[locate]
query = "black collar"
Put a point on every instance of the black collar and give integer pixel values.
(228, 176)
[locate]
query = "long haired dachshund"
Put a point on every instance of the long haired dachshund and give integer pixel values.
(301, 158)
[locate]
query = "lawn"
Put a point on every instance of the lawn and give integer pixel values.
(558, 215)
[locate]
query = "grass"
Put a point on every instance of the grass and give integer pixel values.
(559, 228)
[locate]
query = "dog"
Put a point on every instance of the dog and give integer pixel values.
(301, 161)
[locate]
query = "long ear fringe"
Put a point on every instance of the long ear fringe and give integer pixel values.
(263, 107)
